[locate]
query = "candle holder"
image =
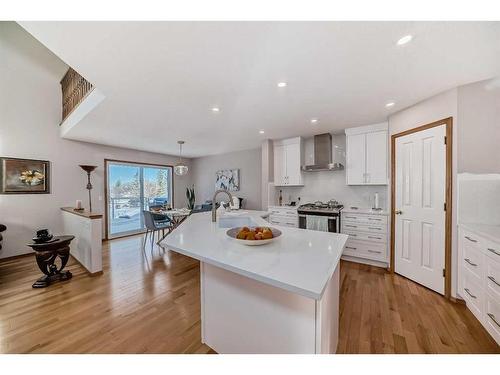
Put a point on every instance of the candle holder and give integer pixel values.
(89, 169)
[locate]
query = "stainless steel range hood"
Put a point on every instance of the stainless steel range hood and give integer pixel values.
(323, 155)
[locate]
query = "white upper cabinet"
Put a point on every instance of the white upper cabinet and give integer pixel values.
(288, 158)
(367, 155)
(355, 159)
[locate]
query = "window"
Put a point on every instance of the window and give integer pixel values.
(132, 188)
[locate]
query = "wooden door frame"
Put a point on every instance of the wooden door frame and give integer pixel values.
(106, 161)
(448, 122)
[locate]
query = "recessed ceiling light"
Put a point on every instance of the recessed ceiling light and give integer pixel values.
(314, 120)
(390, 104)
(261, 132)
(282, 84)
(215, 109)
(404, 40)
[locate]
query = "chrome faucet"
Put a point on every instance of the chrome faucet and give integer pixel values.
(214, 211)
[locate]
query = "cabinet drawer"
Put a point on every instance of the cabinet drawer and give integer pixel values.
(375, 237)
(492, 274)
(366, 250)
(492, 317)
(367, 219)
(284, 220)
(473, 295)
(473, 260)
(283, 211)
(492, 250)
(470, 239)
(369, 228)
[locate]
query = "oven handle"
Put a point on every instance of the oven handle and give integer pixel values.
(328, 217)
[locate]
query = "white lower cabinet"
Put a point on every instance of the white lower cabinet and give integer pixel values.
(368, 237)
(479, 278)
(283, 215)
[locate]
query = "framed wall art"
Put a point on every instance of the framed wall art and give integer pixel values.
(227, 179)
(24, 176)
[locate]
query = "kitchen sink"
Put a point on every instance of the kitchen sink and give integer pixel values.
(236, 221)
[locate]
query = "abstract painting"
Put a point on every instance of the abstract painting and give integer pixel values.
(227, 179)
(24, 176)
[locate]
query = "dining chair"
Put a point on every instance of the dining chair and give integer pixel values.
(155, 226)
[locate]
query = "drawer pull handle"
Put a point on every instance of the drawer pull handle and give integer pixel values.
(468, 261)
(493, 251)
(352, 248)
(350, 217)
(374, 238)
(370, 218)
(374, 251)
(374, 228)
(470, 239)
(492, 317)
(350, 226)
(354, 235)
(493, 279)
(469, 293)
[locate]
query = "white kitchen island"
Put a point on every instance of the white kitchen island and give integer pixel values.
(282, 297)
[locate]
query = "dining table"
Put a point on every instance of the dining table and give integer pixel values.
(176, 217)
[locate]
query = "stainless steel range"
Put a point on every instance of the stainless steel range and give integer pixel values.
(320, 216)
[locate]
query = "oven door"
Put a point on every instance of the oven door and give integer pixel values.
(320, 222)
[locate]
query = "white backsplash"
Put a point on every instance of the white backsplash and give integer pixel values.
(479, 198)
(326, 185)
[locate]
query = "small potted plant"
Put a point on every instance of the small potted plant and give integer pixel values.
(190, 197)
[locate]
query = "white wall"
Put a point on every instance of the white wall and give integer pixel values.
(433, 109)
(479, 131)
(326, 185)
(249, 163)
(30, 110)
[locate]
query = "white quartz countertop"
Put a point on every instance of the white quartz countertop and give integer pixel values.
(361, 210)
(300, 261)
(490, 232)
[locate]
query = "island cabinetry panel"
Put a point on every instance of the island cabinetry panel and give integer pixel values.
(288, 158)
(242, 315)
(367, 155)
(479, 277)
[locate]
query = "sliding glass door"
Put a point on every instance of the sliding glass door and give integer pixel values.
(132, 188)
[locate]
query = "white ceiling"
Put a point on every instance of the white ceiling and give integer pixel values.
(161, 79)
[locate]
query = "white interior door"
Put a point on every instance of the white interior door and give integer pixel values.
(419, 205)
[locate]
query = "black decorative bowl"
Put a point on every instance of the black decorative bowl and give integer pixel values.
(42, 239)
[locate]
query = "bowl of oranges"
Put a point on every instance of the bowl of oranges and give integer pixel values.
(253, 236)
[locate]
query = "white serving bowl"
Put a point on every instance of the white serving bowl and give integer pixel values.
(231, 233)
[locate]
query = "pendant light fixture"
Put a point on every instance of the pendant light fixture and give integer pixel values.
(180, 168)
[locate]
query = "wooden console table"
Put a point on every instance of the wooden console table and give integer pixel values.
(46, 255)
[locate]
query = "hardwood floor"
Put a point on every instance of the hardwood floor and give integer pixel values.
(385, 313)
(146, 303)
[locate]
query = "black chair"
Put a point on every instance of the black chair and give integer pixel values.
(155, 226)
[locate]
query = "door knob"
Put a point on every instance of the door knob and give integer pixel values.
(398, 212)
